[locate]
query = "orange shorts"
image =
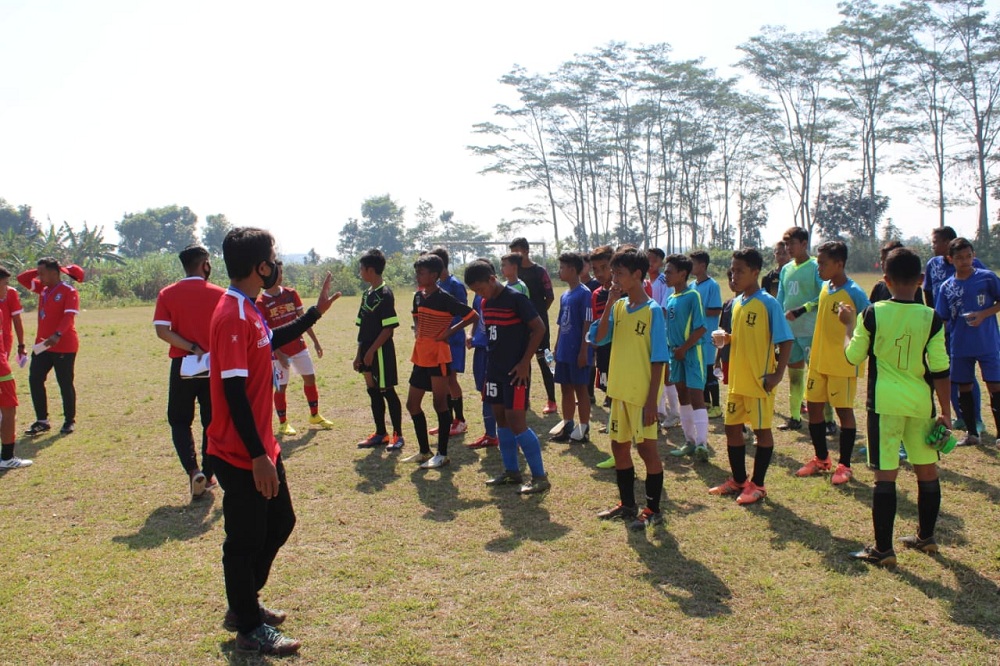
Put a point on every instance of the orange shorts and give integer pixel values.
(8, 393)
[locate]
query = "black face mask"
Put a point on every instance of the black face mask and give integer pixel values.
(272, 279)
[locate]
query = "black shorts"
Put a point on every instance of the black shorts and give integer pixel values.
(497, 390)
(420, 378)
(383, 367)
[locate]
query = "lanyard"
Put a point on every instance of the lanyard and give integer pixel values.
(267, 329)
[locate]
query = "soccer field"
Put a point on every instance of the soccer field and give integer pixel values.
(107, 561)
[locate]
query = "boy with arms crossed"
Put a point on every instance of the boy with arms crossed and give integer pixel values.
(758, 325)
(904, 342)
(634, 327)
(832, 379)
(376, 357)
(513, 332)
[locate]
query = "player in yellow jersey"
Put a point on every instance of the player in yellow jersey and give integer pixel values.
(832, 379)
(758, 325)
(904, 343)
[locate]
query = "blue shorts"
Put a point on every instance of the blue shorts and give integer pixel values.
(479, 366)
(800, 350)
(689, 371)
(457, 355)
(708, 352)
(571, 373)
(963, 369)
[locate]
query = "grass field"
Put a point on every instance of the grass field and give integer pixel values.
(108, 562)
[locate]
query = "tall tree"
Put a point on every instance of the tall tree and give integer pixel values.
(381, 226)
(168, 229)
(216, 228)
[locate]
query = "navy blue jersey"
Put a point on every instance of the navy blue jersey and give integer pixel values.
(506, 317)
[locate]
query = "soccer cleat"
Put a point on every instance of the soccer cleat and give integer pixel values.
(842, 475)
(15, 463)
(958, 424)
(396, 442)
(457, 428)
(435, 462)
(559, 427)
(751, 493)
(286, 430)
(506, 478)
(563, 435)
(37, 428)
(69, 427)
(537, 485)
(602, 427)
(319, 420)
(581, 433)
(607, 402)
(373, 440)
(212, 483)
(871, 556)
(418, 458)
(714, 412)
(669, 421)
(685, 450)
(606, 464)
(928, 545)
(701, 452)
(831, 429)
(815, 466)
(628, 513)
(749, 437)
(484, 441)
(791, 424)
(265, 639)
(969, 440)
(270, 617)
(433, 431)
(550, 408)
(645, 519)
(198, 483)
(728, 487)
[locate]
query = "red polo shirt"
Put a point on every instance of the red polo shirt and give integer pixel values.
(11, 305)
(186, 307)
(57, 310)
(241, 347)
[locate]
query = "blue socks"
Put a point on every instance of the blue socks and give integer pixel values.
(532, 449)
(508, 449)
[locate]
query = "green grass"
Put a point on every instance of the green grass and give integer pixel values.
(107, 561)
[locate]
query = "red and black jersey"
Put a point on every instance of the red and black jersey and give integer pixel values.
(282, 309)
(506, 317)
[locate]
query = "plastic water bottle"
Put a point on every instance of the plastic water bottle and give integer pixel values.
(550, 360)
(718, 373)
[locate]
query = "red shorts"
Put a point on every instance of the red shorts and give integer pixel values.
(8, 393)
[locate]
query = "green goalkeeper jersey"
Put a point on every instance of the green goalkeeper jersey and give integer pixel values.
(799, 286)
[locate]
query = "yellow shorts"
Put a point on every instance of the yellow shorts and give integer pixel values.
(625, 423)
(885, 433)
(756, 412)
(838, 391)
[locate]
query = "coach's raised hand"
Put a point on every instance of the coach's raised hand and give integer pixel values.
(325, 300)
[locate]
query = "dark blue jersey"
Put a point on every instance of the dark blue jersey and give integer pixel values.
(506, 317)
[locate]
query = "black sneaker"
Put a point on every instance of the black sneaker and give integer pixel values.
(68, 428)
(791, 424)
(928, 545)
(621, 511)
(37, 428)
(268, 616)
(265, 639)
(507, 478)
(831, 429)
(645, 519)
(872, 556)
(563, 435)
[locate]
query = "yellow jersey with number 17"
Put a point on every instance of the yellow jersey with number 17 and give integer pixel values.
(758, 325)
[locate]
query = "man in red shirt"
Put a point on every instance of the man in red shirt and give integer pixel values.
(8, 412)
(182, 316)
(58, 305)
(280, 306)
(10, 302)
(245, 455)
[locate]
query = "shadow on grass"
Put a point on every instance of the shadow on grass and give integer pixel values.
(695, 588)
(787, 527)
(524, 518)
(30, 447)
(174, 523)
(289, 445)
(973, 604)
(437, 491)
(237, 658)
(989, 491)
(376, 470)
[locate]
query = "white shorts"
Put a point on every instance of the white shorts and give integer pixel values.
(302, 363)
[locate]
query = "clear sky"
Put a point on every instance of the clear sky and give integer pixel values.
(288, 115)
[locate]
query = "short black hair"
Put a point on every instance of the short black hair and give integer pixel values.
(4, 273)
(442, 253)
(701, 257)
(374, 259)
(836, 250)
(192, 256)
(945, 233)
(50, 263)
(751, 257)
(519, 243)
(478, 271)
(681, 262)
(431, 262)
(903, 266)
(888, 247)
(658, 252)
(631, 260)
(512, 258)
(602, 253)
(572, 259)
(795, 233)
(959, 244)
(244, 248)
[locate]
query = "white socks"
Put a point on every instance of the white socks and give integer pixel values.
(687, 423)
(674, 404)
(700, 420)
